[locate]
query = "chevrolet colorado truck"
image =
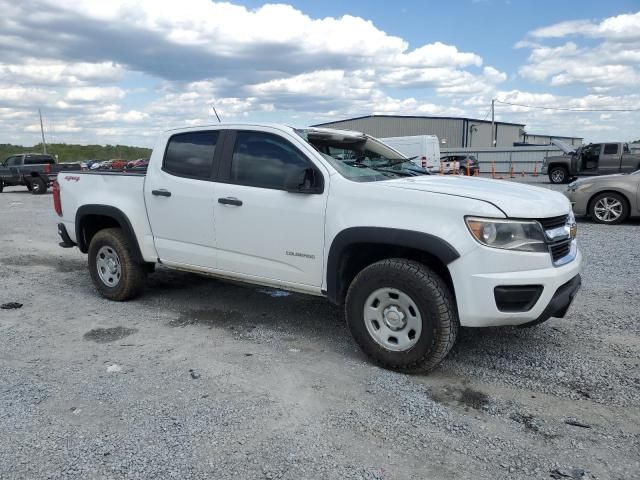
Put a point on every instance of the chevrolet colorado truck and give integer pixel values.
(33, 170)
(332, 213)
(589, 160)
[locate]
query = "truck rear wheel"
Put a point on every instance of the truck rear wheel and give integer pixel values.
(558, 175)
(112, 267)
(402, 315)
(38, 186)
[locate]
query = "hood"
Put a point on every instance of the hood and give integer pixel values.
(567, 149)
(516, 200)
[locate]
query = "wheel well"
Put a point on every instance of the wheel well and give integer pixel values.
(358, 256)
(90, 219)
(91, 224)
(593, 197)
(554, 165)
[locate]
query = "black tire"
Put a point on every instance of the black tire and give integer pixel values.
(559, 174)
(436, 308)
(38, 186)
(132, 275)
(1, 185)
(612, 197)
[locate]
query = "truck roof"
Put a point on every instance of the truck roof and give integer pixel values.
(279, 126)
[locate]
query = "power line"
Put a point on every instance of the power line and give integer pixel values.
(572, 109)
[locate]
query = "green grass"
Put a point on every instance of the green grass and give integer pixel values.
(74, 153)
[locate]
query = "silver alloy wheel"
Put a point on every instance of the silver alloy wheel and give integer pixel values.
(108, 265)
(608, 209)
(392, 319)
(35, 186)
(558, 175)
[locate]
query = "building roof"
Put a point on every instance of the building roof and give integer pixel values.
(552, 136)
(418, 116)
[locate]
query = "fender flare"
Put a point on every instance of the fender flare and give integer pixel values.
(436, 246)
(110, 212)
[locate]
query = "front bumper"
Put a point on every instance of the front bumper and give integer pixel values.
(560, 302)
(477, 274)
(579, 201)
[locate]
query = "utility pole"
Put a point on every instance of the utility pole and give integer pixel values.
(44, 144)
(493, 123)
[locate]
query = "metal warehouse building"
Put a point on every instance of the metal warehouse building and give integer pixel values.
(453, 132)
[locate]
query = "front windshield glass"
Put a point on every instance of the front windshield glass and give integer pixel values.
(360, 158)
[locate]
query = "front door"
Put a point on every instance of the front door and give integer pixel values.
(179, 195)
(263, 231)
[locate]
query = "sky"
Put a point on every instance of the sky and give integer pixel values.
(121, 71)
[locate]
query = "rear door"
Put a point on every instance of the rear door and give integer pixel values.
(609, 159)
(263, 231)
(179, 196)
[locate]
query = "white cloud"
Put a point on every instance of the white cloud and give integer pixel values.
(611, 63)
(95, 94)
(621, 27)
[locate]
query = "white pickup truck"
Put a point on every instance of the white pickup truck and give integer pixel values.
(332, 213)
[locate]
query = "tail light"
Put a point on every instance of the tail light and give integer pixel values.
(47, 168)
(57, 204)
(424, 162)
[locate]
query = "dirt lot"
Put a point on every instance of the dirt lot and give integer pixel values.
(205, 379)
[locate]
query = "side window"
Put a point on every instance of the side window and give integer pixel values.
(610, 148)
(13, 161)
(191, 154)
(264, 160)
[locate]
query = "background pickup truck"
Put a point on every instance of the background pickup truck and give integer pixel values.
(592, 159)
(33, 170)
(336, 214)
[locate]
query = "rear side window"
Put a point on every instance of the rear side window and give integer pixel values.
(264, 160)
(38, 160)
(191, 154)
(610, 148)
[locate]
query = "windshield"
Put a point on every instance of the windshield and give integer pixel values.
(359, 157)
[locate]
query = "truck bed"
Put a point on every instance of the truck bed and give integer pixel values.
(96, 190)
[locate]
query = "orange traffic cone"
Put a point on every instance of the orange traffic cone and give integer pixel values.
(535, 169)
(493, 169)
(468, 170)
(511, 172)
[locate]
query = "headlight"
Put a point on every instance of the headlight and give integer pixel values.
(572, 186)
(523, 236)
(583, 186)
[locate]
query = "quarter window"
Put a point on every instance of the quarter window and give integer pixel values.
(264, 160)
(191, 154)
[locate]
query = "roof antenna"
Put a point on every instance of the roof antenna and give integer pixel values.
(214, 111)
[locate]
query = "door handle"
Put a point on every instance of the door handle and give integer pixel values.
(161, 193)
(230, 201)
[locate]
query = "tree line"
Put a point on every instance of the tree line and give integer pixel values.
(75, 153)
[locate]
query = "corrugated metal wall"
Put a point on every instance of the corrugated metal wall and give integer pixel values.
(450, 130)
(546, 139)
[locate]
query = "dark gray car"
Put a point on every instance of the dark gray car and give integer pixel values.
(608, 199)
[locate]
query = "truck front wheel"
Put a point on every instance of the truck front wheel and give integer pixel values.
(402, 315)
(558, 175)
(112, 267)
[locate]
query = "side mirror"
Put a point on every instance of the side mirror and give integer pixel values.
(304, 180)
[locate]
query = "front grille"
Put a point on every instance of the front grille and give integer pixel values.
(560, 249)
(553, 222)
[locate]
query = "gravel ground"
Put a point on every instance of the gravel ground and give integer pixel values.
(206, 379)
